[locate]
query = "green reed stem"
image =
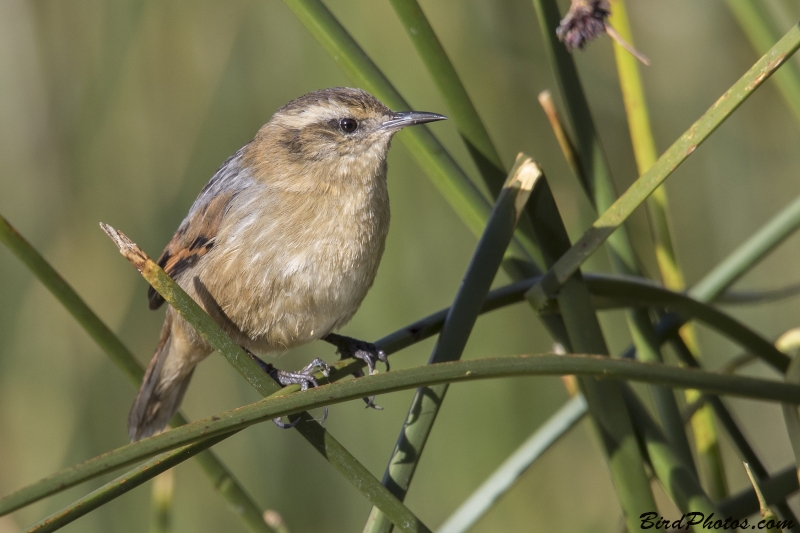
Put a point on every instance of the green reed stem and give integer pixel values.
(407, 336)
(459, 104)
(742, 259)
(455, 371)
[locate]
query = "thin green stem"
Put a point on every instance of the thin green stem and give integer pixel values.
(459, 104)
(603, 287)
(287, 402)
(506, 475)
(222, 479)
(73, 303)
(638, 292)
(677, 478)
(726, 420)
(742, 259)
(644, 147)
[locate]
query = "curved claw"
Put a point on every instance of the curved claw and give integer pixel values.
(370, 401)
(277, 421)
(290, 425)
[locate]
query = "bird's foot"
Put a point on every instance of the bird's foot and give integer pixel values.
(366, 351)
(303, 377)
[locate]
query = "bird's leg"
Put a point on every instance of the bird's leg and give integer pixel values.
(366, 351)
(303, 377)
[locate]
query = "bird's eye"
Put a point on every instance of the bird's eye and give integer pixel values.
(348, 125)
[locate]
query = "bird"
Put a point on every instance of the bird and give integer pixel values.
(281, 245)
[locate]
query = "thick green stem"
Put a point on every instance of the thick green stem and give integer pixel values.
(456, 331)
(605, 400)
(121, 485)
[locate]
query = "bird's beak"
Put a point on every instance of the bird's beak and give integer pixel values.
(410, 118)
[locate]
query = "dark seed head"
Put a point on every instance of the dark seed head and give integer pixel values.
(585, 20)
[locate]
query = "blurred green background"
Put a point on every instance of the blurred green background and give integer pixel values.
(121, 111)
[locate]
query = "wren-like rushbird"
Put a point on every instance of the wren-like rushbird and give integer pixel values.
(282, 244)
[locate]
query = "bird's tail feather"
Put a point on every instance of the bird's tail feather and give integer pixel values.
(163, 387)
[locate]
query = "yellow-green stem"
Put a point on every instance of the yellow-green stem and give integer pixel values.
(646, 154)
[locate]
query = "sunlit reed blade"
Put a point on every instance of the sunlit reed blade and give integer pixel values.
(162, 502)
(753, 18)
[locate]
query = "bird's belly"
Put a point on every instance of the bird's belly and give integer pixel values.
(290, 295)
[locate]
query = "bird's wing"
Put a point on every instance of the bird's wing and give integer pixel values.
(198, 231)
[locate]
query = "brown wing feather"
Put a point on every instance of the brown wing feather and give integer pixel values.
(194, 238)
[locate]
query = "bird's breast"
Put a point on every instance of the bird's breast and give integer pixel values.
(289, 268)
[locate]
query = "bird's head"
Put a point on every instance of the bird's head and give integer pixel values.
(340, 131)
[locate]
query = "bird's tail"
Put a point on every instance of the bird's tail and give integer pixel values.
(164, 384)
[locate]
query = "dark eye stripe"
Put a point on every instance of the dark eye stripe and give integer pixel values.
(348, 125)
